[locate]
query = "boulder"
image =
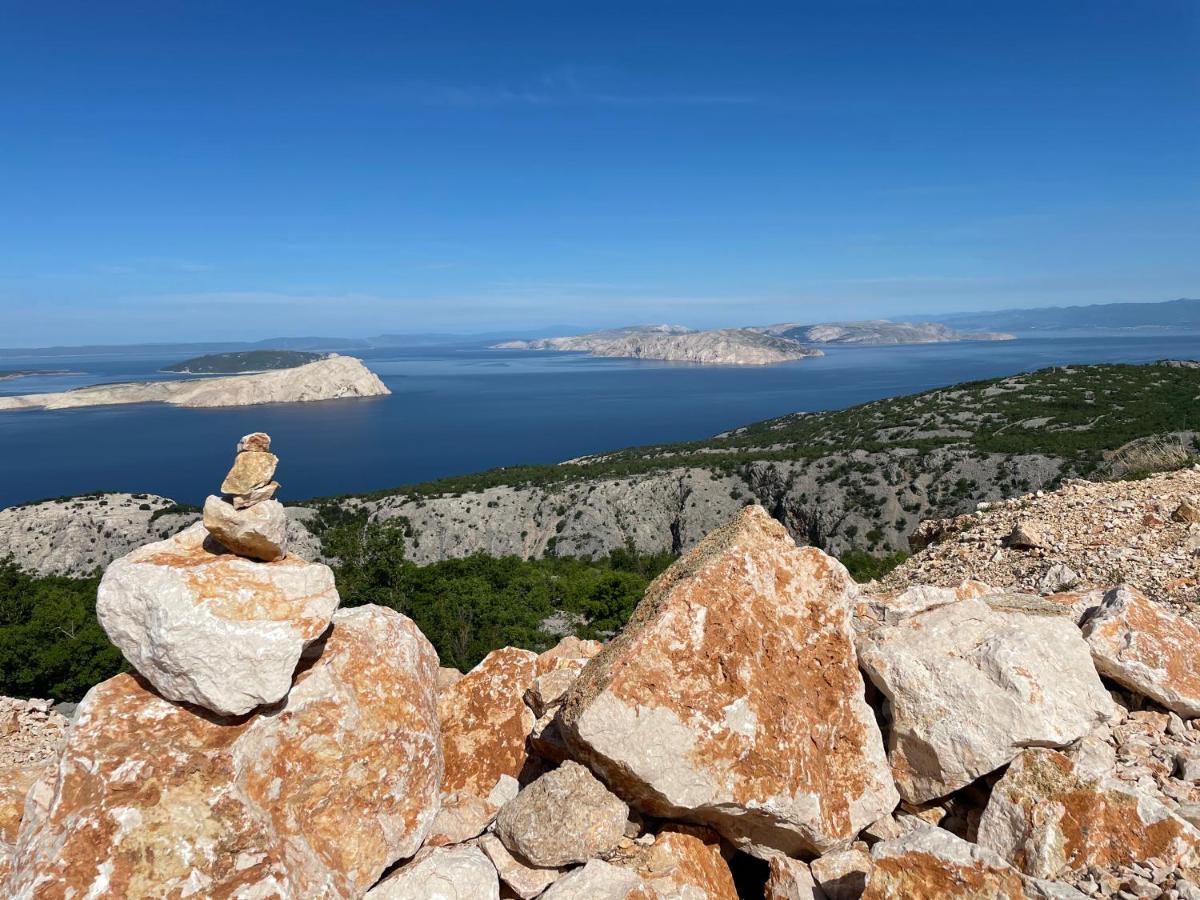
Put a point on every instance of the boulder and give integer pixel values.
(1188, 511)
(599, 880)
(209, 627)
(258, 531)
(842, 874)
(441, 873)
(256, 442)
(968, 687)
(684, 863)
(933, 864)
(1046, 819)
(566, 816)
(890, 607)
(266, 492)
(485, 724)
(790, 879)
(1147, 648)
(733, 698)
(1025, 536)
(15, 784)
(251, 469)
(524, 880)
(315, 797)
(464, 815)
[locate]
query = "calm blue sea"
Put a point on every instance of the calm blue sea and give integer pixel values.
(460, 409)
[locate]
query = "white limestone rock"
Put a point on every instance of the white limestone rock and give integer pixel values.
(258, 531)
(968, 687)
(206, 626)
(441, 873)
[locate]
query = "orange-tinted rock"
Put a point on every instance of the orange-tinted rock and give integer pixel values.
(733, 697)
(206, 626)
(1046, 819)
(790, 879)
(685, 862)
(315, 797)
(524, 880)
(485, 724)
(1147, 648)
(933, 864)
(251, 469)
(15, 783)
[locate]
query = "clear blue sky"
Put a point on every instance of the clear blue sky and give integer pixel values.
(225, 170)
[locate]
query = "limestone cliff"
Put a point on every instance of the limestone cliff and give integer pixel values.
(328, 379)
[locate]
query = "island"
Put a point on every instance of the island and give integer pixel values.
(9, 375)
(332, 378)
(244, 362)
(749, 346)
(673, 343)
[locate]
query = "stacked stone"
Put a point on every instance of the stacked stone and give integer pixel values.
(247, 519)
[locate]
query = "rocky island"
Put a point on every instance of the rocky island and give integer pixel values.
(244, 362)
(672, 343)
(880, 331)
(333, 378)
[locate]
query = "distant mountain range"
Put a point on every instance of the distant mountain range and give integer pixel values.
(1178, 316)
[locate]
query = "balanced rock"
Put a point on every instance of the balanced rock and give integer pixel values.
(259, 494)
(441, 873)
(1046, 819)
(206, 626)
(257, 442)
(968, 687)
(258, 531)
(933, 864)
(315, 798)
(1147, 648)
(485, 724)
(566, 816)
(522, 879)
(733, 697)
(251, 469)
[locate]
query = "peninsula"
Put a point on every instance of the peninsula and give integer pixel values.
(333, 378)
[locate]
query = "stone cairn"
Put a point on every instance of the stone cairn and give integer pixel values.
(247, 519)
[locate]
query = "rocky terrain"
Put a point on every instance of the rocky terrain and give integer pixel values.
(333, 378)
(762, 727)
(880, 331)
(724, 347)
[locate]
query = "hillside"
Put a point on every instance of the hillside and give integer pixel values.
(729, 346)
(243, 362)
(1179, 316)
(879, 331)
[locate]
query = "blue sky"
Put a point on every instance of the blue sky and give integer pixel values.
(236, 170)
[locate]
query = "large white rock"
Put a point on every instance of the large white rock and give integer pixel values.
(258, 531)
(441, 873)
(1148, 649)
(206, 626)
(733, 698)
(969, 687)
(315, 798)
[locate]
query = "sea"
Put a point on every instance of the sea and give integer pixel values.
(462, 408)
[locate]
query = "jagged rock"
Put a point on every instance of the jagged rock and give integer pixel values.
(790, 879)
(683, 863)
(206, 626)
(566, 816)
(244, 501)
(255, 442)
(1188, 511)
(441, 873)
(968, 687)
(258, 531)
(842, 875)
(314, 798)
(557, 670)
(1047, 820)
(524, 880)
(485, 724)
(1147, 648)
(251, 469)
(599, 880)
(464, 815)
(1025, 536)
(733, 697)
(933, 864)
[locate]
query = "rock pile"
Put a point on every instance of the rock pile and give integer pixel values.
(247, 520)
(762, 727)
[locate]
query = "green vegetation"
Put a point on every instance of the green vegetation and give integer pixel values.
(50, 642)
(1076, 413)
(244, 361)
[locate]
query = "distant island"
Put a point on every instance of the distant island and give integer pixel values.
(244, 362)
(331, 378)
(25, 373)
(750, 346)
(674, 343)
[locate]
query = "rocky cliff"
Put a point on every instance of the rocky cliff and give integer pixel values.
(762, 727)
(328, 379)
